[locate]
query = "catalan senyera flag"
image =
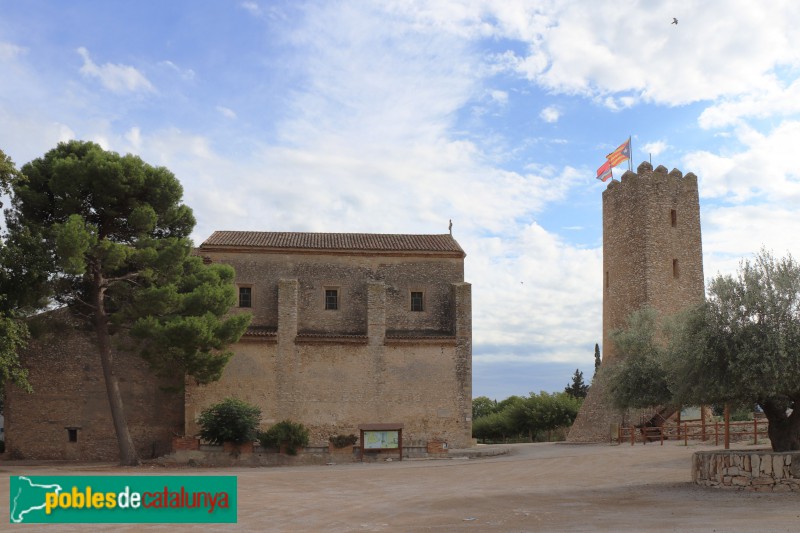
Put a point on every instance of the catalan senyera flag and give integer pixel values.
(604, 172)
(622, 153)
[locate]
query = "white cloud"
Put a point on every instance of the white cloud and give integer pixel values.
(500, 97)
(598, 49)
(655, 147)
(778, 100)
(252, 7)
(134, 137)
(733, 233)
(9, 51)
(550, 114)
(226, 112)
(185, 73)
(28, 136)
(116, 78)
(766, 168)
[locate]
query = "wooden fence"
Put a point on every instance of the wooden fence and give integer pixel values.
(696, 430)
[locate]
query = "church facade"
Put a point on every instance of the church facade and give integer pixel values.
(348, 330)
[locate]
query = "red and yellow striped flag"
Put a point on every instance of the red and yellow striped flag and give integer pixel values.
(622, 153)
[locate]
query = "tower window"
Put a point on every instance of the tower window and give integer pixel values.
(675, 271)
(72, 435)
(245, 297)
(417, 301)
(673, 217)
(606, 279)
(331, 299)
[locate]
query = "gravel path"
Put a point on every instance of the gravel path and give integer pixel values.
(537, 487)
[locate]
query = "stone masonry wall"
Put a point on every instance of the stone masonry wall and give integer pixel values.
(348, 274)
(757, 470)
(642, 243)
(652, 255)
(69, 392)
(373, 361)
(335, 388)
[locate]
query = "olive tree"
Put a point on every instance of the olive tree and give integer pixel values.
(741, 346)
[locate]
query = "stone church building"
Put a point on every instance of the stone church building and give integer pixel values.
(347, 330)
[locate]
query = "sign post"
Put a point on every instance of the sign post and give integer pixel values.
(381, 437)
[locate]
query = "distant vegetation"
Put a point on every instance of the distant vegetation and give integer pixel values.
(536, 418)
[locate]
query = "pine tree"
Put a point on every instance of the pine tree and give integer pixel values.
(108, 236)
(597, 360)
(577, 389)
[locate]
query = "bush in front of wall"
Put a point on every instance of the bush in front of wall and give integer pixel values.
(340, 441)
(231, 420)
(286, 433)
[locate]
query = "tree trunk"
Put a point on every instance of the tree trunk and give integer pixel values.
(783, 430)
(127, 451)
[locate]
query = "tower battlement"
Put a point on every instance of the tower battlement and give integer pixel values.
(646, 175)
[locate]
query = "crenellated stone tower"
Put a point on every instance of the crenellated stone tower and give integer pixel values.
(652, 255)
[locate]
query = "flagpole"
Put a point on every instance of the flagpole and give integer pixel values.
(630, 159)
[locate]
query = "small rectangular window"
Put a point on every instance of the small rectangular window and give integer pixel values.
(674, 217)
(675, 271)
(331, 299)
(606, 279)
(417, 301)
(72, 435)
(245, 297)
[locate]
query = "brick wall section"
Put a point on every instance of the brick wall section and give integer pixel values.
(650, 256)
(371, 361)
(69, 392)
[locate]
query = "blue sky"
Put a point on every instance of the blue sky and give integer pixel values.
(397, 116)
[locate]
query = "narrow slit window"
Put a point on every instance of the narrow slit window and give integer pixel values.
(675, 271)
(673, 215)
(606, 279)
(331, 299)
(245, 297)
(417, 301)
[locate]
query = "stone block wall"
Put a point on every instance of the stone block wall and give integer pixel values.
(757, 470)
(652, 250)
(349, 275)
(373, 360)
(69, 395)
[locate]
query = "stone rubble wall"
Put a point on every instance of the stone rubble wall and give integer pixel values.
(757, 470)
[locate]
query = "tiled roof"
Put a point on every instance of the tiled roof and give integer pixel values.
(373, 242)
(260, 331)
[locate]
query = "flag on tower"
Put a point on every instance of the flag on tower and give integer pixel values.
(604, 172)
(622, 153)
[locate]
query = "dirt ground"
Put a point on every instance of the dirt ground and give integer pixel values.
(536, 487)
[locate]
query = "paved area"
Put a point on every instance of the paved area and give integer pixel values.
(536, 487)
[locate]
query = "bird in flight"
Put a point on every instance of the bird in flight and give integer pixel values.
(674, 20)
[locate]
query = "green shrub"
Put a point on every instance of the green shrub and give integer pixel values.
(231, 420)
(285, 433)
(340, 441)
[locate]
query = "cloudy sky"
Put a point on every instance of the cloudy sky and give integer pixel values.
(397, 116)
